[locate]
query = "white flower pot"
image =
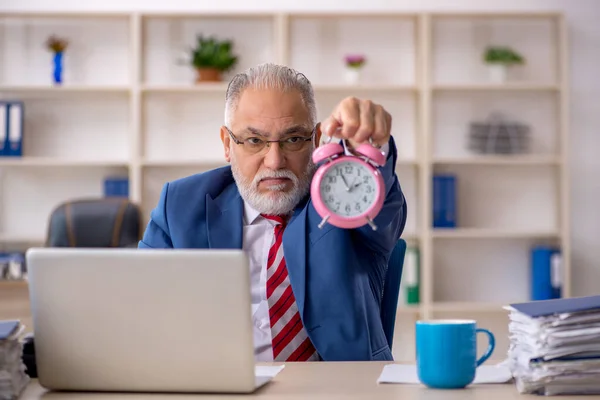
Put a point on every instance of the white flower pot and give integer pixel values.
(352, 75)
(498, 73)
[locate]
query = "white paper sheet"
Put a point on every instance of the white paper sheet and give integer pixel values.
(400, 373)
(268, 370)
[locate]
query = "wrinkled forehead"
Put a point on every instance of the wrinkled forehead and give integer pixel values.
(271, 111)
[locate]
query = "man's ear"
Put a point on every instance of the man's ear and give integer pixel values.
(226, 139)
(317, 139)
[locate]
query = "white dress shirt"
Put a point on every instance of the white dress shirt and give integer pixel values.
(257, 238)
(258, 235)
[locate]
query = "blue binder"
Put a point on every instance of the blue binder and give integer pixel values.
(444, 201)
(545, 273)
(3, 128)
(544, 308)
(14, 128)
(116, 187)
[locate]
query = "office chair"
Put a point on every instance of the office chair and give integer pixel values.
(95, 222)
(391, 290)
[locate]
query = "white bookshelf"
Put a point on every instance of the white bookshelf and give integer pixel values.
(128, 108)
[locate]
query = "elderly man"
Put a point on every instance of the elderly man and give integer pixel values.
(316, 291)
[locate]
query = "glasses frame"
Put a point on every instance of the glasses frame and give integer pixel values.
(268, 142)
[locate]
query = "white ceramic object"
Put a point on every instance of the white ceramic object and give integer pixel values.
(498, 73)
(352, 75)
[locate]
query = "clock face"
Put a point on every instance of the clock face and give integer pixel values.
(348, 189)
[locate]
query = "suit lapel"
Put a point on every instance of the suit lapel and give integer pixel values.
(224, 219)
(294, 250)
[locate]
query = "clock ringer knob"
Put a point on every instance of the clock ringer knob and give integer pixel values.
(372, 153)
(326, 151)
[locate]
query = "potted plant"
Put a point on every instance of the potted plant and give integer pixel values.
(354, 65)
(499, 59)
(211, 57)
(57, 46)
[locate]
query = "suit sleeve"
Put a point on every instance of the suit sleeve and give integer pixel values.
(157, 235)
(392, 218)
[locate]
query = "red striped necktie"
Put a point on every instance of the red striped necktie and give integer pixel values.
(290, 342)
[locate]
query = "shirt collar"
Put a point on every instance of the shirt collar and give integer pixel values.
(250, 214)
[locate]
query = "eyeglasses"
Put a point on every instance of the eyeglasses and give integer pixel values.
(290, 144)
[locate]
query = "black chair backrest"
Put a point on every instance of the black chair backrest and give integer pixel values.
(95, 222)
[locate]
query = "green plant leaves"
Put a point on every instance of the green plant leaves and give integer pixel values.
(502, 55)
(213, 53)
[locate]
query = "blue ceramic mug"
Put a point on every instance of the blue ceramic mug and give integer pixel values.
(447, 352)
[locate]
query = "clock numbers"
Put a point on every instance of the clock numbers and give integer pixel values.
(348, 189)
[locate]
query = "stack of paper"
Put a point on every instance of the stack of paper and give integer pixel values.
(13, 378)
(555, 346)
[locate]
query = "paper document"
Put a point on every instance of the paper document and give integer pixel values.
(399, 373)
(268, 370)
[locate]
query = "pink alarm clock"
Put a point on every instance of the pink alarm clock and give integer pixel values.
(348, 190)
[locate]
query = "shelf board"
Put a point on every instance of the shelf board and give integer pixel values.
(7, 239)
(364, 88)
(408, 309)
(490, 87)
(20, 284)
(479, 233)
(451, 306)
(58, 162)
(216, 87)
(412, 236)
(222, 87)
(63, 89)
(500, 160)
(184, 163)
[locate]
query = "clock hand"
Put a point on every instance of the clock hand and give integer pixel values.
(345, 183)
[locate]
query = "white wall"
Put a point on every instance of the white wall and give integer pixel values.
(582, 16)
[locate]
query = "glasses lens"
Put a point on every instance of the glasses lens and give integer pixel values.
(254, 145)
(294, 145)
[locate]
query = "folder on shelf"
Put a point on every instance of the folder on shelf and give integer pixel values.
(444, 201)
(15, 129)
(546, 273)
(116, 186)
(3, 129)
(411, 280)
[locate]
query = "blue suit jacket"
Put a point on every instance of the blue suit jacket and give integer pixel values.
(337, 275)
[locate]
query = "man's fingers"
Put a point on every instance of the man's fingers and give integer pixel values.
(381, 125)
(367, 121)
(350, 118)
(330, 126)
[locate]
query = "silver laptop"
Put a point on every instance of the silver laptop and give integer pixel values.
(142, 320)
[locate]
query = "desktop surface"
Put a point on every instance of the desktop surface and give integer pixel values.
(321, 380)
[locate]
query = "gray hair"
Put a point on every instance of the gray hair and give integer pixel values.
(270, 76)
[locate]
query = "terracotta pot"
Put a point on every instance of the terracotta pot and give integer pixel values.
(208, 75)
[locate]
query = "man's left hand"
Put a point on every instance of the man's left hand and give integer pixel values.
(358, 120)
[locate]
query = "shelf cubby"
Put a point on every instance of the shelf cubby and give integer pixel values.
(98, 50)
(168, 40)
(29, 194)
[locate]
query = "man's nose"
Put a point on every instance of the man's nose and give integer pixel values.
(274, 158)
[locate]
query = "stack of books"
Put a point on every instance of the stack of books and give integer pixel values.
(13, 378)
(555, 346)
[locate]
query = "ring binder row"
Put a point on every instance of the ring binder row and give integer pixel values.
(12, 118)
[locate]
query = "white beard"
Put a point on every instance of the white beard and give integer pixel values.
(284, 202)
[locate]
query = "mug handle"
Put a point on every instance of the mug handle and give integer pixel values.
(491, 346)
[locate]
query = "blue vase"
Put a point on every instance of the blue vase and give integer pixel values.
(58, 67)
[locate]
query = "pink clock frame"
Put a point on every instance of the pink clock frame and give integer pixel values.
(338, 220)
